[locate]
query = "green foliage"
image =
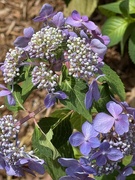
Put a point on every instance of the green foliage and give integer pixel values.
(115, 28)
(119, 25)
(45, 150)
(85, 7)
(114, 82)
(76, 90)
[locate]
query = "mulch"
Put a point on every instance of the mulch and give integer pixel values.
(16, 15)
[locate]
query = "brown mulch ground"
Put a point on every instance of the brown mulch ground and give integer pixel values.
(15, 15)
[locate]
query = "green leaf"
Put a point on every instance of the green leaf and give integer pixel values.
(76, 90)
(114, 82)
(126, 160)
(77, 120)
(115, 28)
(100, 105)
(110, 9)
(131, 7)
(27, 86)
(45, 150)
(131, 46)
(126, 36)
(85, 7)
(124, 7)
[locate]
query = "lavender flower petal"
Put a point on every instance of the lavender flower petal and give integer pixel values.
(103, 122)
(114, 109)
(76, 139)
(114, 154)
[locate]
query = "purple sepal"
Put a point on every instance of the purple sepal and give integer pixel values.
(58, 19)
(11, 100)
(45, 13)
(51, 98)
(92, 94)
(98, 47)
(6, 92)
(22, 41)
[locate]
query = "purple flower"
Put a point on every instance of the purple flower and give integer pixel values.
(45, 13)
(92, 94)
(58, 20)
(77, 20)
(51, 98)
(8, 93)
(22, 41)
(98, 47)
(106, 153)
(21, 166)
(76, 169)
(86, 140)
(104, 122)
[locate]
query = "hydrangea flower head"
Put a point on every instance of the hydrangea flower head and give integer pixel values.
(85, 140)
(104, 122)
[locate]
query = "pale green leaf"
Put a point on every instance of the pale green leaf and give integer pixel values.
(115, 28)
(84, 7)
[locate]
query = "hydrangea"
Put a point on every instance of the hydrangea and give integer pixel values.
(85, 140)
(104, 122)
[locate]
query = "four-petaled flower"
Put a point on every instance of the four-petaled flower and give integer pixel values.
(76, 170)
(106, 153)
(45, 13)
(77, 20)
(104, 122)
(22, 41)
(85, 140)
(51, 98)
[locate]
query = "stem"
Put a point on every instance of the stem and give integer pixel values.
(30, 115)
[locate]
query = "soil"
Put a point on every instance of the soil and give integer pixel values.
(16, 15)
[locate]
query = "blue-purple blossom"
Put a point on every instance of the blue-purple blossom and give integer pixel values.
(106, 153)
(92, 94)
(76, 169)
(51, 98)
(77, 20)
(6, 92)
(22, 41)
(104, 122)
(58, 20)
(85, 140)
(98, 47)
(45, 13)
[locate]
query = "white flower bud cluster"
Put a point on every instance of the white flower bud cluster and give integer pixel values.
(44, 78)
(11, 64)
(45, 42)
(83, 61)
